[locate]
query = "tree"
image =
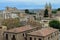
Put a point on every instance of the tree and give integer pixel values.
(58, 9)
(54, 24)
(54, 11)
(11, 23)
(46, 13)
(26, 11)
(31, 13)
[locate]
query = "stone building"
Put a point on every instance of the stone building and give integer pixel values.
(43, 34)
(2, 30)
(10, 12)
(29, 32)
(19, 33)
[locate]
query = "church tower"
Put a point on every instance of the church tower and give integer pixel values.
(49, 9)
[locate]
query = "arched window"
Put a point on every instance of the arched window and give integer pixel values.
(6, 36)
(25, 38)
(13, 38)
(23, 34)
(34, 38)
(48, 38)
(30, 38)
(39, 39)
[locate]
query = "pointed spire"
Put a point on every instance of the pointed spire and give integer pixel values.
(46, 6)
(50, 5)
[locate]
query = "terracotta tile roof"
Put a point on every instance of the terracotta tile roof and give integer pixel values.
(21, 29)
(43, 32)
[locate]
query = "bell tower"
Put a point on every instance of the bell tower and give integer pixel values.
(50, 10)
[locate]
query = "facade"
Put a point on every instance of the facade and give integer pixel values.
(43, 34)
(29, 32)
(2, 30)
(19, 33)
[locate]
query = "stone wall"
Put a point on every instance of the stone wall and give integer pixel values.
(52, 36)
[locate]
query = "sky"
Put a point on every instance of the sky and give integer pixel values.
(29, 4)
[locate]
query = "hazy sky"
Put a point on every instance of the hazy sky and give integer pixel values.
(29, 4)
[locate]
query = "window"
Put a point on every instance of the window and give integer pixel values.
(48, 38)
(57, 39)
(25, 38)
(30, 38)
(34, 17)
(55, 34)
(39, 39)
(23, 34)
(6, 36)
(13, 38)
(34, 38)
(39, 13)
(51, 36)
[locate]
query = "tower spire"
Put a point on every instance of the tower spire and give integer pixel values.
(50, 5)
(46, 6)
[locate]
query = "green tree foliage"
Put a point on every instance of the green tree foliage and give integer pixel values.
(54, 11)
(11, 23)
(54, 24)
(32, 13)
(46, 13)
(58, 9)
(26, 11)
